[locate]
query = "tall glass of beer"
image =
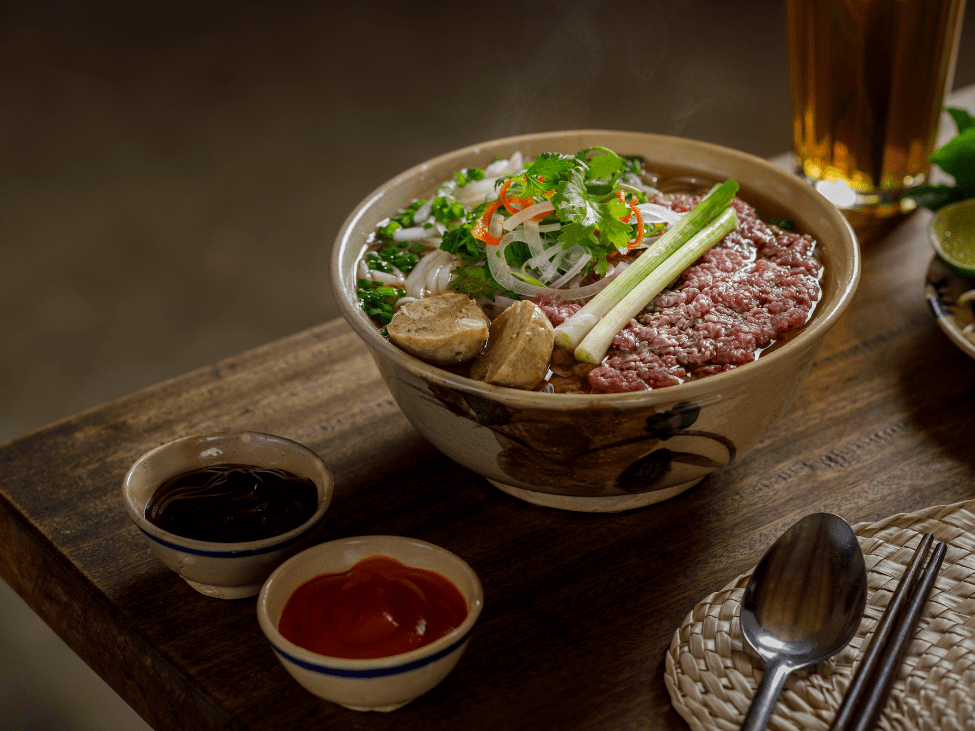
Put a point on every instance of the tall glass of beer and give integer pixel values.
(868, 80)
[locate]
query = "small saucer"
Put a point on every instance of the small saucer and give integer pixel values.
(942, 288)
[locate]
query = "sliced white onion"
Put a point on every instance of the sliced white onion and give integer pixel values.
(581, 259)
(525, 214)
(654, 212)
(495, 227)
(476, 192)
(547, 261)
(423, 212)
(504, 276)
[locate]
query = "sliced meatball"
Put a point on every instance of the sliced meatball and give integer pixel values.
(519, 348)
(446, 329)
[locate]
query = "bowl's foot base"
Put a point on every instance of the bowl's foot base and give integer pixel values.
(226, 592)
(585, 504)
(378, 709)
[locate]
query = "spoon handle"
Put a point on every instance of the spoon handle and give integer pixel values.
(760, 711)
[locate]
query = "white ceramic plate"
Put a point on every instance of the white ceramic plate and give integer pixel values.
(942, 289)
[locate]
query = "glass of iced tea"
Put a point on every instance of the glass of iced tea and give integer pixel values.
(868, 80)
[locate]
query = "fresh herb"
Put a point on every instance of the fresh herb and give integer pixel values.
(404, 219)
(540, 175)
(783, 223)
(467, 175)
(588, 196)
(462, 244)
(476, 280)
(957, 158)
(446, 209)
(399, 255)
(377, 299)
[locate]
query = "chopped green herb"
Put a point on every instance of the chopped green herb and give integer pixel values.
(446, 209)
(377, 299)
(782, 223)
(397, 254)
(467, 175)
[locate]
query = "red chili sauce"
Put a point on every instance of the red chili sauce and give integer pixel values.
(228, 503)
(378, 608)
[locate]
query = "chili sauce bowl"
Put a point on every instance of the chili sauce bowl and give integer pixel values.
(606, 452)
(219, 569)
(379, 684)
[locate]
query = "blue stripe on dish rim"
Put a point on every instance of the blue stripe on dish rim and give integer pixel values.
(229, 554)
(373, 672)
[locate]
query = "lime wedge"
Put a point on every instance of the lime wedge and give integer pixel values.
(953, 236)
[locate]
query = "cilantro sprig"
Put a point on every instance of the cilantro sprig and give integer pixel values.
(957, 158)
(585, 191)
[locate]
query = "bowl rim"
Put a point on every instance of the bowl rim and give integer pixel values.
(216, 549)
(371, 667)
(823, 319)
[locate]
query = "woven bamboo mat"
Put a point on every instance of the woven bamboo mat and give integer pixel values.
(711, 672)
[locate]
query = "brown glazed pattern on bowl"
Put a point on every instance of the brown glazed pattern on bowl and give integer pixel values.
(614, 451)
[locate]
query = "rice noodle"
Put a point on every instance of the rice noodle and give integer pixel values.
(414, 233)
(403, 301)
(446, 274)
(394, 278)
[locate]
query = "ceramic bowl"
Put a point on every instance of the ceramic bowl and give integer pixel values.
(617, 451)
(224, 570)
(381, 684)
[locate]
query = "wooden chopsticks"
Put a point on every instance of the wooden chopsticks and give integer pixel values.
(874, 677)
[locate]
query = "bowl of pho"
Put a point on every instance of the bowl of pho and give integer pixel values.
(594, 320)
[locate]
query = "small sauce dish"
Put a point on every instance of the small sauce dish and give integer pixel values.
(380, 683)
(225, 570)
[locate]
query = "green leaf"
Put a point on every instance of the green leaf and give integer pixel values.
(461, 244)
(963, 120)
(573, 202)
(936, 197)
(957, 158)
(476, 280)
(611, 229)
(576, 233)
(544, 173)
(606, 166)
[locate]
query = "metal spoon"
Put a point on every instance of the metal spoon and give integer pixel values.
(802, 605)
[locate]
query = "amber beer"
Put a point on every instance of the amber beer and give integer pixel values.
(868, 80)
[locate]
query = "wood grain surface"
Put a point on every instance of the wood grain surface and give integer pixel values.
(579, 608)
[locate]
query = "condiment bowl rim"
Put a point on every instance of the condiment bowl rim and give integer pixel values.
(371, 667)
(823, 319)
(219, 549)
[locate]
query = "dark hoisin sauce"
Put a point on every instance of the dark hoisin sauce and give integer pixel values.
(230, 503)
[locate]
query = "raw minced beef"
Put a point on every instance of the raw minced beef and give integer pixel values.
(756, 286)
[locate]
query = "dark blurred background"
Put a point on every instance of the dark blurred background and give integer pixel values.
(172, 175)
